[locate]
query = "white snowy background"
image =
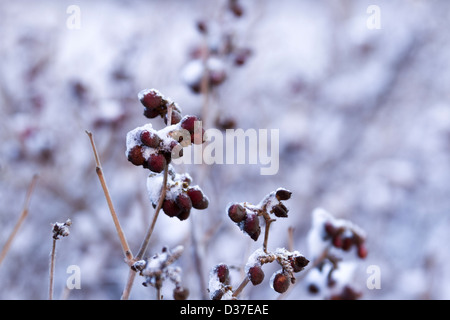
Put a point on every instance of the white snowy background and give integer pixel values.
(363, 114)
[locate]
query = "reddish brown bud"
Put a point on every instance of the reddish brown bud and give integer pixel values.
(151, 113)
(362, 251)
(135, 156)
(337, 241)
(171, 208)
(184, 202)
(156, 162)
(255, 275)
(188, 123)
(150, 139)
(223, 273)
(151, 99)
(199, 200)
(281, 283)
(251, 226)
(236, 212)
(330, 229)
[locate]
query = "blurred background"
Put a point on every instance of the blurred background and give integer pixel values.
(359, 94)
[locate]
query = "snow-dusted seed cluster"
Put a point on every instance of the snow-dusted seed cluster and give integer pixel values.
(153, 149)
(290, 262)
(157, 269)
(155, 104)
(61, 229)
(180, 197)
(328, 239)
(328, 231)
(219, 283)
(221, 48)
(246, 216)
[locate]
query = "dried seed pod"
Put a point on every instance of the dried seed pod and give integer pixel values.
(283, 194)
(298, 263)
(280, 210)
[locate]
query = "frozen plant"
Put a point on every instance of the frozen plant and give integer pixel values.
(247, 218)
(172, 192)
(219, 283)
(180, 197)
(218, 54)
(159, 267)
(59, 229)
(328, 239)
(154, 150)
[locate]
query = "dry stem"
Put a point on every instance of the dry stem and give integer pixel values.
(144, 245)
(22, 217)
(98, 169)
(52, 270)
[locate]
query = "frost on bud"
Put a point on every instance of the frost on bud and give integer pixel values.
(135, 156)
(150, 98)
(61, 229)
(150, 139)
(156, 162)
(328, 231)
(223, 273)
(219, 280)
(251, 226)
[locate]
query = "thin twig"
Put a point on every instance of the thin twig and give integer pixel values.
(52, 270)
(132, 274)
(98, 169)
(22, 217)
(130, 280)
(266, 232)
(241, 287)
(144, 244)
(291, 238)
